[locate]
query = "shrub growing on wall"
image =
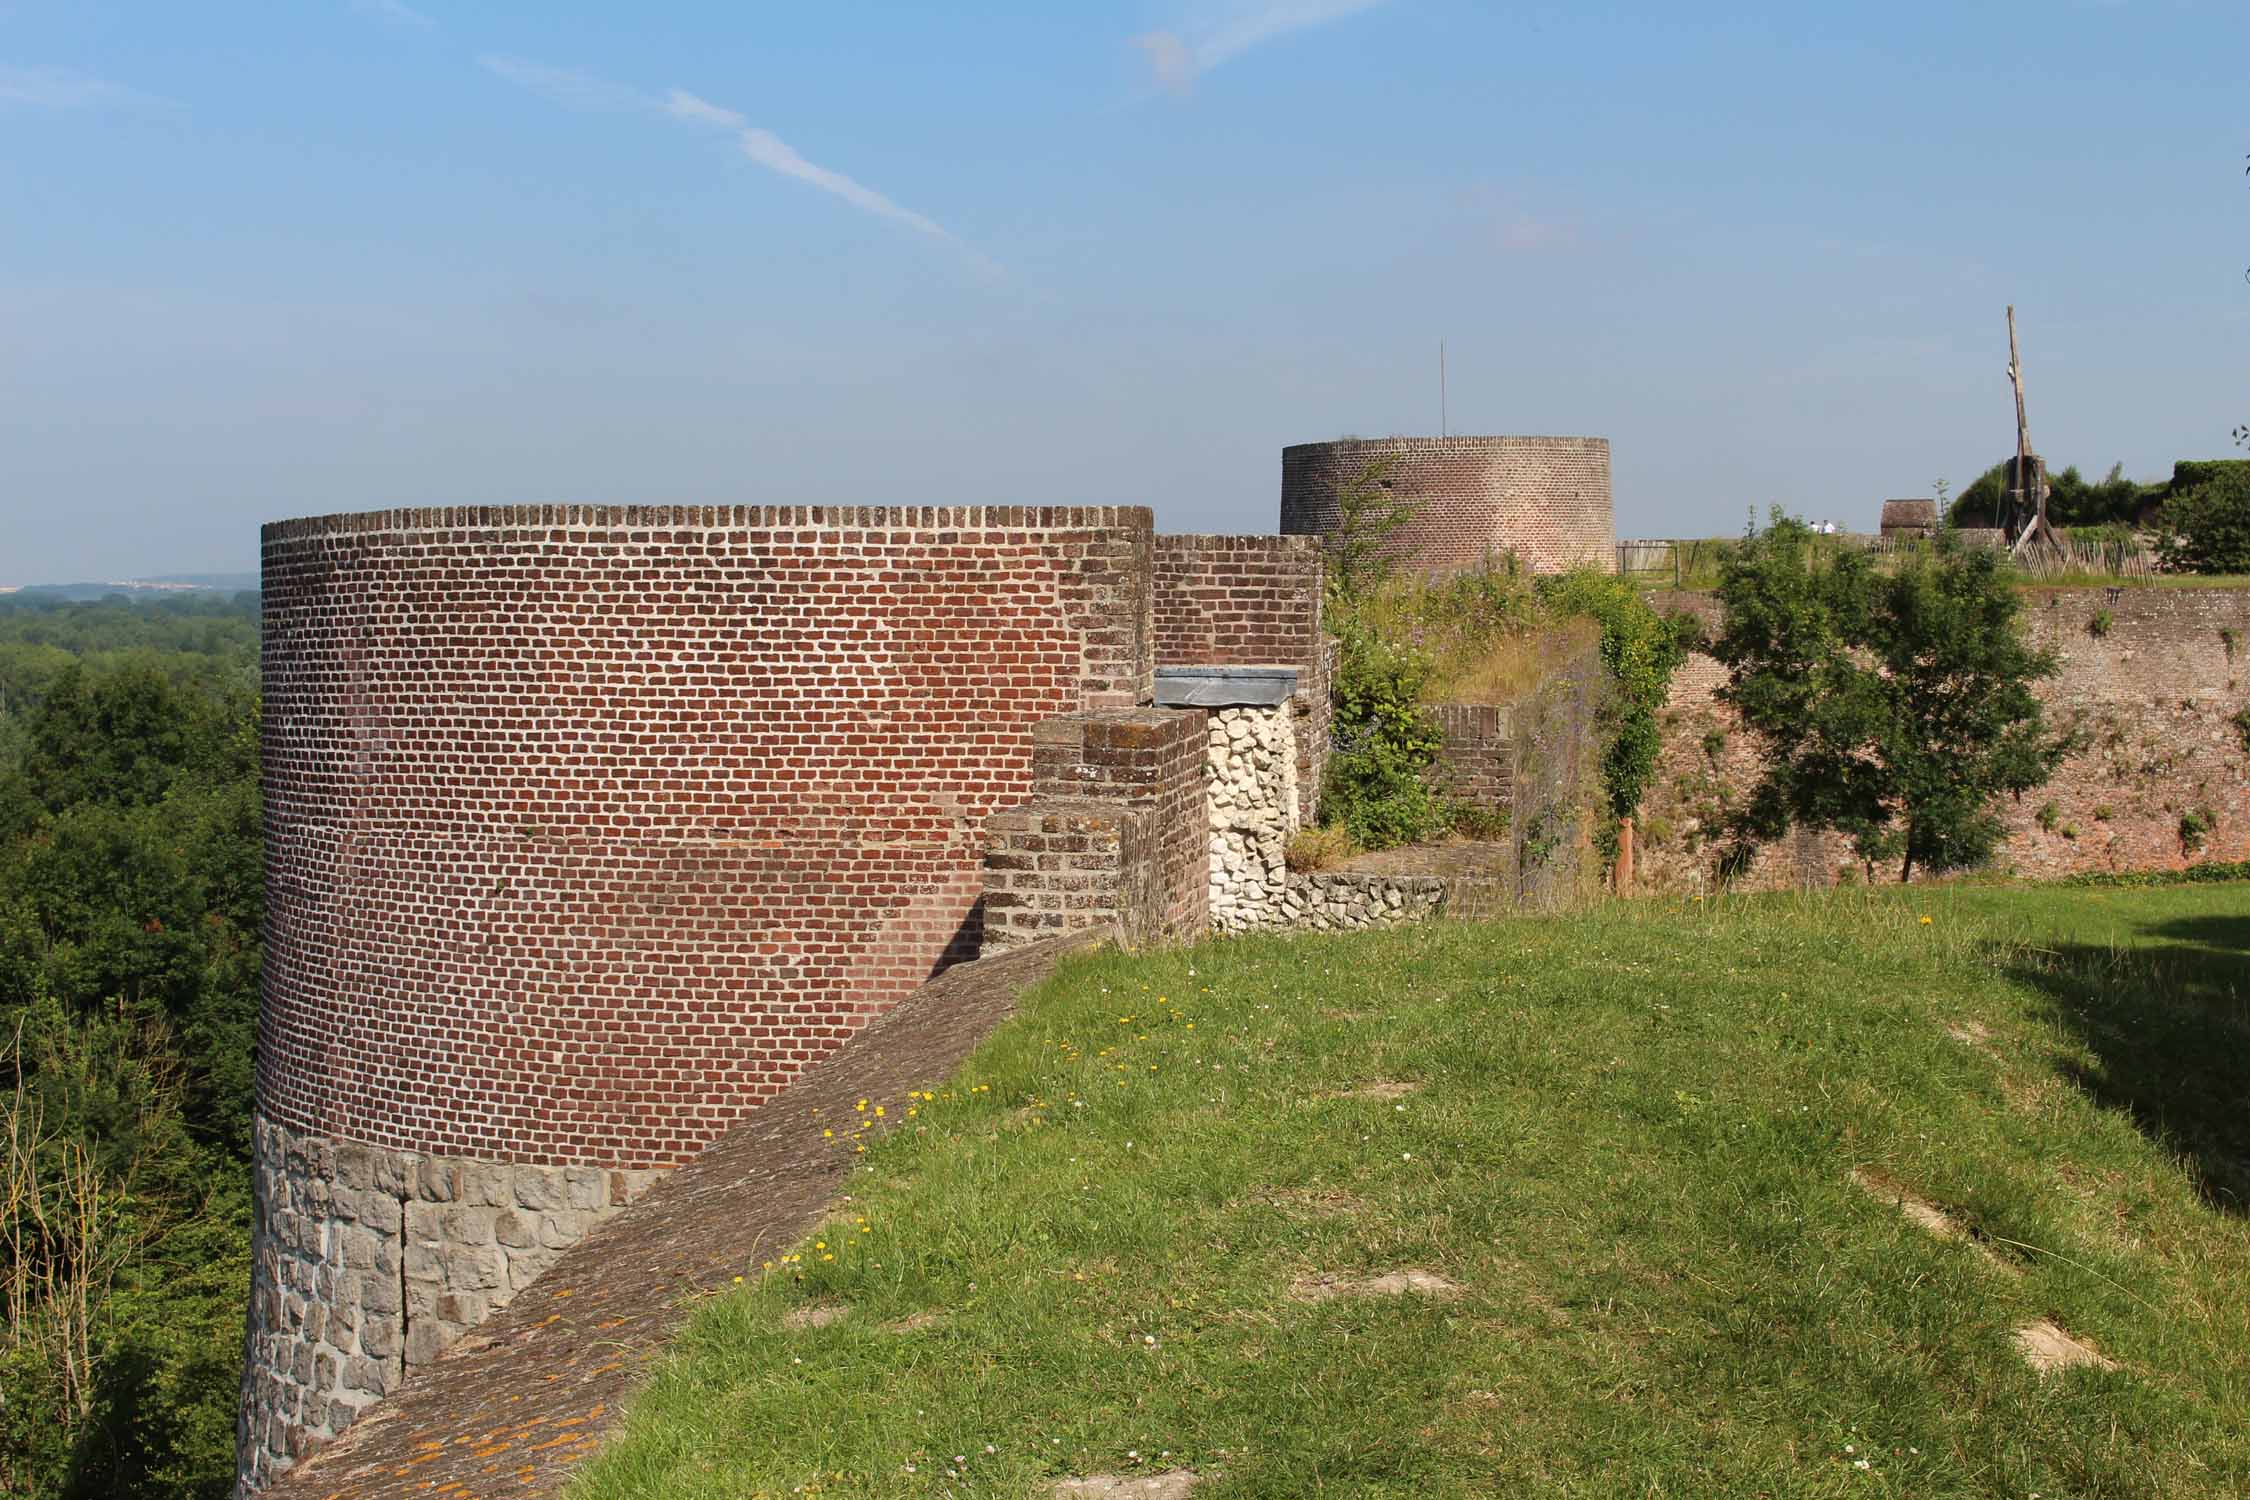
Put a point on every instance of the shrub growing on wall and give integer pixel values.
(2206, 528)
(1384, 742)
(1893, 709)
(1641, 650)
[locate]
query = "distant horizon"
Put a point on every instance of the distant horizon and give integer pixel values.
(1846, 519)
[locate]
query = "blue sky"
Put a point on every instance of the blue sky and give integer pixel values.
(262, 260)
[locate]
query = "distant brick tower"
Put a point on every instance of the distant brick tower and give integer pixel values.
(1545, 499)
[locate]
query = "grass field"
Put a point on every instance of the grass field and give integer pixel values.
(1627, 1143)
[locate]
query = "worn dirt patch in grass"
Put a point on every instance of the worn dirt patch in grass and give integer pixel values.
(1389, 1284)
(1314, 1203)
(1885, 1188)
(1882, 1186)
(913, 1324)
(2047, 1349)
(1168, 1485)
(1386, 1089)
(1970, 1033)
(815, 1315)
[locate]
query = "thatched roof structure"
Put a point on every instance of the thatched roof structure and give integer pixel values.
(1909, 517)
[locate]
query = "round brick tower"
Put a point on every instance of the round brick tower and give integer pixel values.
(1545, 499)
(587, 829)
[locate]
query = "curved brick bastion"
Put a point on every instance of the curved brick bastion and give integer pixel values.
(588, 829)
(1546, 499)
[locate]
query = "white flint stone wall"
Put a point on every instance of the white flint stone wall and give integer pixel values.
(1352, 903)
(365, 1263)
(1252, 797)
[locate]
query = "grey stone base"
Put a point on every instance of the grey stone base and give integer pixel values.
(365, 1263)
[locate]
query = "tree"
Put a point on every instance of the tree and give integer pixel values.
(1367, 512)
(1893, 708)
(2074, 500)
(2206, 528)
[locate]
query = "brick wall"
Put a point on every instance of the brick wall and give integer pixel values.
(2154, 695)
(1252, 601)
(1064, 864)
(1151, 758)
(589, 827)
(1546, 499)
(1476, 761)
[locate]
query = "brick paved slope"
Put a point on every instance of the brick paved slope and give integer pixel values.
(512, 1408)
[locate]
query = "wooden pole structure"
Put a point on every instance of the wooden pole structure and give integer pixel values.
(2030, 488)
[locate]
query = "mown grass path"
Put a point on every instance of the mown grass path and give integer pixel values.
(1630, 1140)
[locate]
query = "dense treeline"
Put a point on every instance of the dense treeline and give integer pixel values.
(130, 900)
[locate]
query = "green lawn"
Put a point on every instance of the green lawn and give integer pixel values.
(1632, 1146)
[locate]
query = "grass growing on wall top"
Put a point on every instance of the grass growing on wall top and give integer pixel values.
(1702, 559)
(1629, 1141)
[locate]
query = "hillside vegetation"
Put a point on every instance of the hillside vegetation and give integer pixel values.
(131, 899)
(1750, 1199)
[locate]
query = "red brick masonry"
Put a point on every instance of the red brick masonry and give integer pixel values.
(1116, 834)
(1252, 601)
(1546, 499)
(518, 1405)
(588, 828)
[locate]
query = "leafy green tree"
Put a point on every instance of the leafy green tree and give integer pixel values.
(1367, 513)
(2075, 500)
(2206, 529)
(1893, 708)
(131, 898)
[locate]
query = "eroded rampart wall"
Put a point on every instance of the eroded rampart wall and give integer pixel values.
(2153, 679)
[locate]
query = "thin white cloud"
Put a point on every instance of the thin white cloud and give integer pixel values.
(580, 90)
(63, 88)
(396, 12)
(1178, 55)
(569, 87)
(775, 154)
(682, 105)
